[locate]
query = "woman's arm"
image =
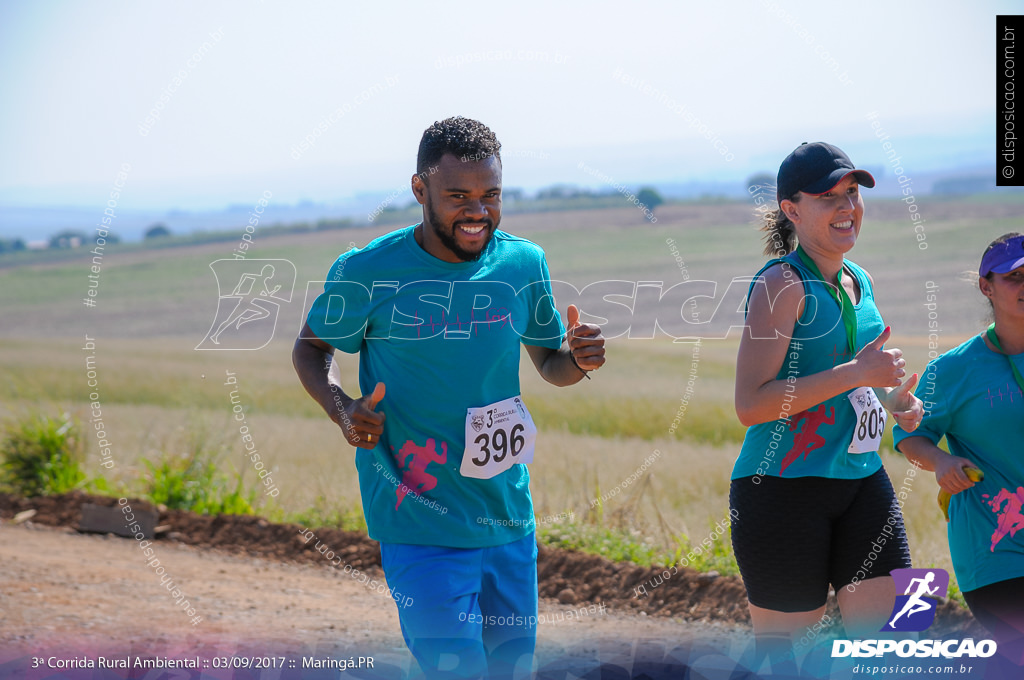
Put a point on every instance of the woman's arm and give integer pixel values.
(772, 312)
(949, 469)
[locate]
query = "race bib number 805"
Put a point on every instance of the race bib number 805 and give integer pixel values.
(497, 437)
(867, 434)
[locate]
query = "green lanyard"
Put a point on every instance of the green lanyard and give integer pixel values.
(991, 333)
(840, 296)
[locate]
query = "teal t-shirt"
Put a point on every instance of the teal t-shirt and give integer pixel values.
(814, 442)
(443, 337)
(971, 399)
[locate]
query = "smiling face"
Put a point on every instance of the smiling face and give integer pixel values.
(829, 223)
(461, 207)
(1006, 292)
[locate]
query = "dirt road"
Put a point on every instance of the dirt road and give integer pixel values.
(230, 587)
(71, 595)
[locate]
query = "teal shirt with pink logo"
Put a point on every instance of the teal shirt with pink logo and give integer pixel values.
(443, 337)
(814, 442)
(971, 398)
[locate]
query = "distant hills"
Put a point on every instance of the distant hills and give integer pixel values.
(36, 224)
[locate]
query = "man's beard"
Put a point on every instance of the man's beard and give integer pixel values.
(448, 237)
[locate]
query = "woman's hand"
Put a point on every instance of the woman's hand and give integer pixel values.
(904, 406)
(879, 367)
(950, 475)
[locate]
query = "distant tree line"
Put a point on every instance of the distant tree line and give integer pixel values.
(73, 238)
(11, 245)
(555, 197)
(157, 230)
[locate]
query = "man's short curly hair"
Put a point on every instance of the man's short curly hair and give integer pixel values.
(464, 138)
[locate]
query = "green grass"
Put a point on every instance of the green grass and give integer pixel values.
(709, 552)
(629, 545)
(193, 480)
(955, 593)
(42, 456)
(614, 544)
(326, 513)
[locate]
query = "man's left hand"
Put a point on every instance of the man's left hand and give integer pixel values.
(586, 344)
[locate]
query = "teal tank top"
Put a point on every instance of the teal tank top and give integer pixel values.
(814, 442)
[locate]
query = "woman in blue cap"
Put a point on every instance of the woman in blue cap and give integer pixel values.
(974, 396)
(813, 504)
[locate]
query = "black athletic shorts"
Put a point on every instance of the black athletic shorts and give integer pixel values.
(793, 537)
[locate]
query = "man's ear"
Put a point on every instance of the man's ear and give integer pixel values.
(419, 189)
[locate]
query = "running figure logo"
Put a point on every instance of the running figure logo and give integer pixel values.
(521, 409)
(807, 439)
(415, 478)
(1009, 520)
(258, 289)
(915, 608)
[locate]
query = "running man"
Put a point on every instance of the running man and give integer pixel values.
(437, 313)
(916, 604)
(249, 307)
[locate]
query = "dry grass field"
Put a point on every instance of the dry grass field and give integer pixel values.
(160, 396)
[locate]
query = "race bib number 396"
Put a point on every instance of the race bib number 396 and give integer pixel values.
(497, 437)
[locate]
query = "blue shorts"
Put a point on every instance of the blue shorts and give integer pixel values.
(471, 612)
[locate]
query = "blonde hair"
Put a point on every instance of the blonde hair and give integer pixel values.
(780, 232)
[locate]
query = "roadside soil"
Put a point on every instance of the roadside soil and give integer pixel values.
(260, 588)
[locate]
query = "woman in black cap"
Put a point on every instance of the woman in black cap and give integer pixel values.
(974, 396)
(813, 504)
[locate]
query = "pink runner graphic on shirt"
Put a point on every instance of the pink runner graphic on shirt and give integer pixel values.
(415, 478)
(1010, 520)
(807, 439)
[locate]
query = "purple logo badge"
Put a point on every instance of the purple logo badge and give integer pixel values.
(915, 608)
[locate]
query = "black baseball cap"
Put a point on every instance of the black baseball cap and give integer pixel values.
(815, 168)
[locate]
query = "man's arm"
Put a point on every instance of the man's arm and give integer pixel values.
(312, 359)
(582, 352)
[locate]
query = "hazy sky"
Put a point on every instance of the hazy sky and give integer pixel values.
(560, 82)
